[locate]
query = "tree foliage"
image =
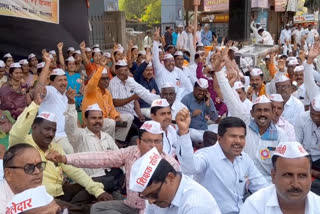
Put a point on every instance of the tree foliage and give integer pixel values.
(148, 11)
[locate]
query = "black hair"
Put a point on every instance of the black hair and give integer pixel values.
(5, 59)
(275, 158)
(154, 109)
(186, 53)
(119, 66)
(260, 30)
(11, 70)
(38, 120)
(86, 114)
(161, 172)
(168, 27)
(261, 75)
(196, 56)
(140, 132)
(52, 77)
(231, 122)
(196, 85)
(13, 151)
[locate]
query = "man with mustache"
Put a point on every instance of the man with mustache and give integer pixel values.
(168, 72)
(150, 136)
(293, 107)
(257, 87)
(290, 191)
(54, 95)
(92, 139)
(44, 126)
(223, 169)
(202, 109)
(20, 161)
(301, 93)
(263, 136)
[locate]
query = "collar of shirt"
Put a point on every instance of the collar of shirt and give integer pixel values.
(221, 156)
(281, 121)
(90, 133)
(290, 101)
(117, 80)
(273, 198)
(54, 88)
(270, 134)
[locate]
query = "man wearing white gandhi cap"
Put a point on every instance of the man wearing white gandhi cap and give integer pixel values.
(290, 191)
(150, 135)
(278, 107)
(292, 106)
(32, 201)
(158, 182)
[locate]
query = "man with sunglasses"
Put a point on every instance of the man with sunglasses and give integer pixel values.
(158, 182)
(23, 169)
(43, 132)
(150, 135)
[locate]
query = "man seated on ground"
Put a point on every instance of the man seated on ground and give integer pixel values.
(144, 76)
(161, 112)
(291, 178)
(33, 201)
(23, 169)
(263, 136)
(92, 139)
(125, 99)
(218, 167)
(278, 107)
(166, 188)
(150, 135)
(43, 131)
(202, 109)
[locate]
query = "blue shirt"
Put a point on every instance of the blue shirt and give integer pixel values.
(226, 181)
(174, 38)
(150, 85)
(200, 121)
(72, 83)
(206, 38)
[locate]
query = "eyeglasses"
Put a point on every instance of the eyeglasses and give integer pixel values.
(29, 168)
(282, 87)
(154, 195)
(149, 141)
(104, 78)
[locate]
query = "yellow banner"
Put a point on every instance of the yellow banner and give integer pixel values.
(40, 10)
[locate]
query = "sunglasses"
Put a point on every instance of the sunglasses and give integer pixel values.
(29, 168)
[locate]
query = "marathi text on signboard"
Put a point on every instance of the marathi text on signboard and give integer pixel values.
(305, 18)
(216, 5)
(40, 10)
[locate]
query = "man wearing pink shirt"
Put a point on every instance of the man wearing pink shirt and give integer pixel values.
(150, 135)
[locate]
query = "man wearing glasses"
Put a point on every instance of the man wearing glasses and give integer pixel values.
(158, 182)
(150, 135)
(23, 169)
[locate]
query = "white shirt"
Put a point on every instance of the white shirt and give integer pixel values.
(83, 140)
(285, 36)
(288, 128)
(292, 109)
(190, 198)
(123, 90)
(248, 105)
(181, 40)
(170, 140)
(301, 94)
(308, 134)
(266, 38)
(176, 107)
(266, 201)
(1, 170)
(258, 149)
(188, 74)
(255, 32)
(175, 77)
(298, 34)
(198, 35)
(226, 181)
(193, 72)
(6, 195)
(311, 87)
(56, 103)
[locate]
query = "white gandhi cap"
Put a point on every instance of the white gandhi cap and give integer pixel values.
(281, 78)
(256, 72)
(276, 98)
(48, 116)
(152, 127)
(261, 99)
(238, 85)
(203, 83)
(160, 103)
(93, 107)
(29, 199)
(2, 65)
(290, 150)
(58, 72)
(299, 68)
(143, 169)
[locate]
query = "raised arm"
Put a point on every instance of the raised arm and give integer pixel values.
(85, 59)
(155, 52)
(61, 58)
(309, 82)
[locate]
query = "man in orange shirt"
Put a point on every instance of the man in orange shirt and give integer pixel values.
(257, 87)
(96, 92)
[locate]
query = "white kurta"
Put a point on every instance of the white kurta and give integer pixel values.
(292, 109)
(265, 201)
